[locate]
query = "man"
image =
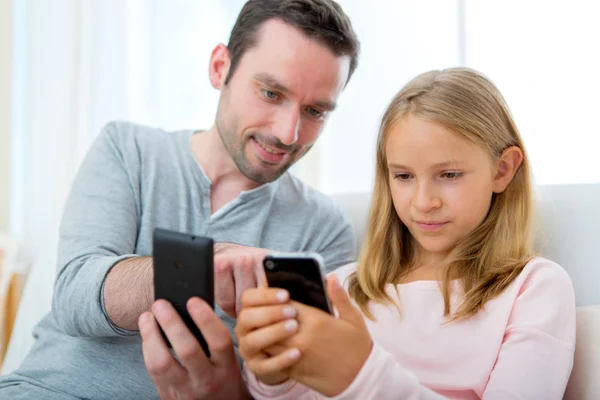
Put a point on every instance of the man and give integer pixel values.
(280, 76)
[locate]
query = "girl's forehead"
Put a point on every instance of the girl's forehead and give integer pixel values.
(421, 142)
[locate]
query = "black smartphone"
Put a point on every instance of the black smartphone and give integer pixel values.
(183, 268)
(301, 274)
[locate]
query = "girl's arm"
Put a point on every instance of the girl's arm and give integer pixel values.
(534, 361)
(380, 378)
(338, 359)
(536, 356)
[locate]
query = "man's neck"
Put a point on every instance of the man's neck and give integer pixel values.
(227, 180)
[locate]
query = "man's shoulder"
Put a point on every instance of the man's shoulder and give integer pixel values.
(127, 131)
(293, 191)
(142, 143)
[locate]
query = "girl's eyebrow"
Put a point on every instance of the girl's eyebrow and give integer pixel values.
(445, 164)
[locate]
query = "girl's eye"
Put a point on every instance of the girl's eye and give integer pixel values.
(402, 176)
(452, 175)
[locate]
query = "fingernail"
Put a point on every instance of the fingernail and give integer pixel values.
(145, 317)
(289, 312)
(282, 296)
(194, 303)
(160, 307)
(294, 354)
(291, 325)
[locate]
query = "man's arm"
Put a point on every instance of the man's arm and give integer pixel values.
(129, 291)
(99, 229)
(102, 286)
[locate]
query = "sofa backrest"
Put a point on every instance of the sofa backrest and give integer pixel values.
(569, 226)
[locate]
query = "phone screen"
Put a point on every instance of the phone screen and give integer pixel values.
(301, 277)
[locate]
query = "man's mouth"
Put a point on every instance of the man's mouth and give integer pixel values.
(267, 153)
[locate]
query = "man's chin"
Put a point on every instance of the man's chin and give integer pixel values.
(260, 175)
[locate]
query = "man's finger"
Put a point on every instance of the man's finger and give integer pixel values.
(162, 367)
(244, 276)
(339, 298)
(214, 331)
(224, 284)
(259, 270)
(184, 343)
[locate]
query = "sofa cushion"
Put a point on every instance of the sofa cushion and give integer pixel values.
(584, 383)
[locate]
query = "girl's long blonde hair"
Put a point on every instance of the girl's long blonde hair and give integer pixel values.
(494, 254)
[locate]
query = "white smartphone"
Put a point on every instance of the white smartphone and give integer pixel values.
(301, 274)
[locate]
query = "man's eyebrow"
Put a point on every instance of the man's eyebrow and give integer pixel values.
(270, 81)
(325, 105)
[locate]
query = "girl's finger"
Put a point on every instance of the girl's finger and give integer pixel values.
(260, 317)
(257, 340)
(273, 365)
(263, 296)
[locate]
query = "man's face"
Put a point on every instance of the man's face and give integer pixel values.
(278, 99)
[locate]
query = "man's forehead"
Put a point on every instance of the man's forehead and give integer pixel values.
(283, 46)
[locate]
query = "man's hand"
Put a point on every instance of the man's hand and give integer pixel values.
(237, 268)
(197, 376)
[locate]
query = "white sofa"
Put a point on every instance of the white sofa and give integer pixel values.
(568, 234)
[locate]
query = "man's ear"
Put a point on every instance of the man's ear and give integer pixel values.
(506, 168)
(218, 68)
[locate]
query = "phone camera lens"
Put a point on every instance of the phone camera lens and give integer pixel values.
(270, 264)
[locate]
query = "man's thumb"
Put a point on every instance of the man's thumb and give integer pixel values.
(340, 300)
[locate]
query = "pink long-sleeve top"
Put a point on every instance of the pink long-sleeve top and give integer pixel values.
(520, 346)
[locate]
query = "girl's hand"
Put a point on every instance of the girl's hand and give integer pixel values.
(266, 318)
(333, 349)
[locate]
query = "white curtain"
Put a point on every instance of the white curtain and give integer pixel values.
(78, 65)
(545, 58)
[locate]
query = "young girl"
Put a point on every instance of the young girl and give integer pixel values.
(455, 303)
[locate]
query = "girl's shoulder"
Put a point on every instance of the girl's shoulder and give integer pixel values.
(540, 270)
(543, 279)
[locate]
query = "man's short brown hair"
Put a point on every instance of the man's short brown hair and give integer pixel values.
(321, 20)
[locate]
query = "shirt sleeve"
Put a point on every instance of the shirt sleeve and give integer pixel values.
(380, 378)
(536, 356)
(534, 361)
(340, 247)
(98, 229)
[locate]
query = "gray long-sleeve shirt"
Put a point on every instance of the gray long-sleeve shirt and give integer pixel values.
(133, 179)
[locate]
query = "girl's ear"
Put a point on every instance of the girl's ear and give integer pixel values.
(506, 168)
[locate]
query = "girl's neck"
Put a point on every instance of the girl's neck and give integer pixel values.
(424, 267)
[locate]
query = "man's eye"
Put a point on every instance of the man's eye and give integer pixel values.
(271, 95)
(315, 113)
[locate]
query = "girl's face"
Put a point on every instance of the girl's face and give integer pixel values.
(441, 184)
